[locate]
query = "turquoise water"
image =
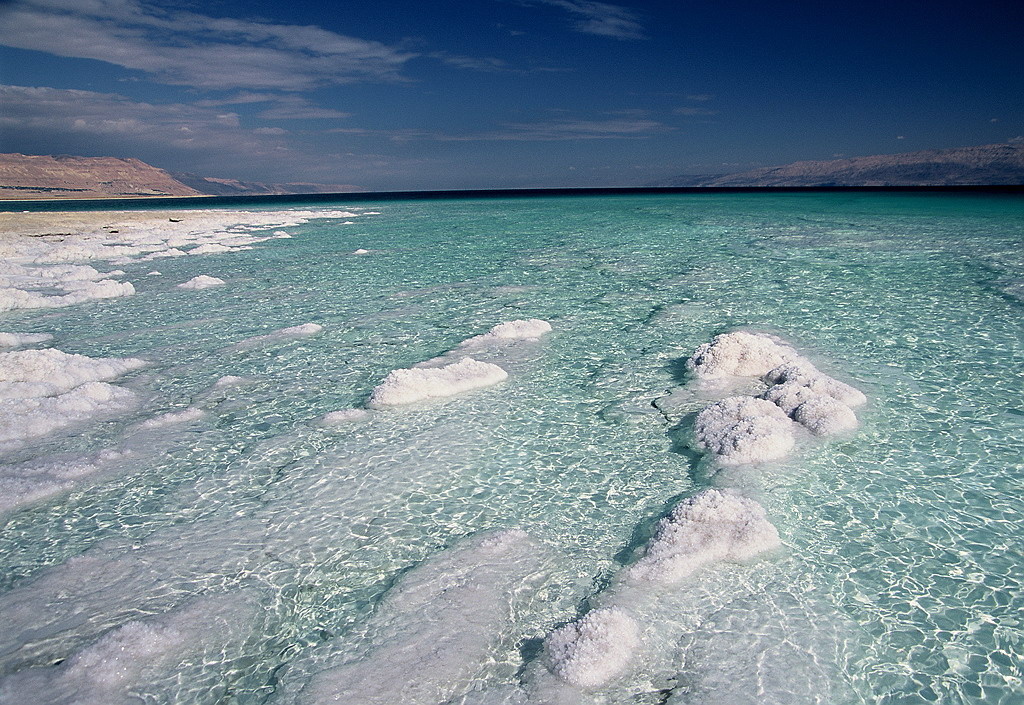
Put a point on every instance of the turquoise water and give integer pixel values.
(280, 561)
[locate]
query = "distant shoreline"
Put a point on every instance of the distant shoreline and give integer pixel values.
(135, 202)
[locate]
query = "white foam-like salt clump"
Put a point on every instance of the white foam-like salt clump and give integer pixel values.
(711, 526)
(36, 373)
(594, 649)
(44, 390)
(342, 417)
(529, 329)
(228, 381)
(173, 417)
(202, 281)
(13, 298)
(360, 251)
(417, 384)
(744, 430)
(13, 340)
(738, 354)
(801, 371)
(29, 417)
(825, 416)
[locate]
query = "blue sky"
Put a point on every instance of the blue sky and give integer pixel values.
(397, 94)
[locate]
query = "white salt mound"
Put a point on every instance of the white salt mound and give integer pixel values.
(361, 251)
(825, 416)
(416, 384)
(590, 651)
(37, 373)
(801, 371)
(30, 417)
(789, 395)
(739, 354)
(228, 381)
(744, 430)
(529, 329)
(13, 340)
(711, 526)
(201, 282)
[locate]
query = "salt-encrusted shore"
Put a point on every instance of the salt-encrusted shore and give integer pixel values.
(37, 224)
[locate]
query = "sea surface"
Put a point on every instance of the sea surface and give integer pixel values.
(252, 551)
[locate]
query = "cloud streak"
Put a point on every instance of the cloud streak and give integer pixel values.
(186, 48)
(601, 18)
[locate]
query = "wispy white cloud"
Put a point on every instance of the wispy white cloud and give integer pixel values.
(186, 48)
(67, 116)
(694, 111)
(602, 18)
(549, 131)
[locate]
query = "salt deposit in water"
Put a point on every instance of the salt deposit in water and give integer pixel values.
(744, 430)
(418, 384)
(14, 340)
(202, 281)
(711, 526)
(594, 649)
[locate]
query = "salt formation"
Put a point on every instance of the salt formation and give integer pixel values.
(34, 272)
(44, 390)
(30, 481)
(136, 656)
(594, 649)
(530, 329)
(435, 628)
(416, 384)
(201, 282)
(173, 417)
(711, 526)
(743, 430)
(14, 340)
(739, 431)
(738, 354)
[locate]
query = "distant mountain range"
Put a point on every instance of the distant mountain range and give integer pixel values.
(988, 165)
(38, 177)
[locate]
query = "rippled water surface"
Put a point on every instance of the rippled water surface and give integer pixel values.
(253, 555)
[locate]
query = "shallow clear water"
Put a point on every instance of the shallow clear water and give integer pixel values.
(294, 563)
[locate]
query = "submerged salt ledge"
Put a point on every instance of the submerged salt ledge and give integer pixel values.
(14, 340)
(283, 334)
(594, 649)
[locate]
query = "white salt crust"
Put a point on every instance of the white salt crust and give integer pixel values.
(42, 391)
(743, 430)
(201, 282)
(417, 384)
(594, 649)
(738, 354)
(34, 272)
(33, 480)
(711, 526)
(529, 329)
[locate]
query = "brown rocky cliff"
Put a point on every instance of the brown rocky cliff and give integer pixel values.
(34, 177)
